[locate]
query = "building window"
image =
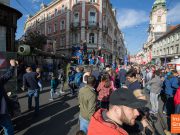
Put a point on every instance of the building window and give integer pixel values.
(172, 39)
(172, 49)
(168, 40)
(62, 41)
(76, 1)
(92, 17)
(168, 50)
(76, 17)
(55, 27)
(62, 8)
(49, 29)
(62, 25)
(91, 38)
(93, 1)
(55, 12)
(177, 49)
(159, 19)
(177, 36)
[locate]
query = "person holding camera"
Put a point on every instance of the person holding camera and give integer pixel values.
(123, 109)
(5, 120)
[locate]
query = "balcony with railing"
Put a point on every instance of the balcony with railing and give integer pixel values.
(92, 24)
(75, 25)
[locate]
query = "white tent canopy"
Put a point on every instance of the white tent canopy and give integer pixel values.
(176, 61)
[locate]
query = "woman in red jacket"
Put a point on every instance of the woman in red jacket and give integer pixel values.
(105, 88)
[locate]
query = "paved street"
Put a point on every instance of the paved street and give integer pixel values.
(59, 117)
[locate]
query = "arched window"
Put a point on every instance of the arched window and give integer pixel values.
(76, 17)
(62, 25)
(91, 38)
(92, 17)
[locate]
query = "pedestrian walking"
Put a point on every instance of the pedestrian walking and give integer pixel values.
(155, 88)
(30, 81)
(61, 79)
(54, 85)
(87, 103)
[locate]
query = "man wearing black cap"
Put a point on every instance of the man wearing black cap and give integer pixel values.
(122, 110)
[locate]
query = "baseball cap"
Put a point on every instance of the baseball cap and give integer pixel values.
(127, 98)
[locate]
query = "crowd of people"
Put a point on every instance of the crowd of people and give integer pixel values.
(111, 101)
(114, 101)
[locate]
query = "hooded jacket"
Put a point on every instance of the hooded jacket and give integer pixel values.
(98, 126)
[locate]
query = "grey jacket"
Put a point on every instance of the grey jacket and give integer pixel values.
(155, 84)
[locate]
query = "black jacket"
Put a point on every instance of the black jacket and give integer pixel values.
(3, 80)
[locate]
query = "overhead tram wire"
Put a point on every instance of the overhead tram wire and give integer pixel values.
(22, 6)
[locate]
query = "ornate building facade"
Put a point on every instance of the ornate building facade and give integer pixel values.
(157, 27)
(69, 22)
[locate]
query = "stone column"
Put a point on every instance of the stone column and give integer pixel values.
(100, 24)
(83, 21)
(3, 39)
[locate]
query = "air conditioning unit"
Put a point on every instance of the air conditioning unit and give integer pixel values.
(24, 49)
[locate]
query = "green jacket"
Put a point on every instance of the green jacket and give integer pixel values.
(87, 102)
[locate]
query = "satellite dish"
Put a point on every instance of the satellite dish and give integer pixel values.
(24, 49)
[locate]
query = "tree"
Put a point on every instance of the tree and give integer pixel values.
(35, 39)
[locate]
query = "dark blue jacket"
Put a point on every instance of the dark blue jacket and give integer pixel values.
(30, 80)
(170, 85)
(3, 80)
(122, 76)
(135, 85)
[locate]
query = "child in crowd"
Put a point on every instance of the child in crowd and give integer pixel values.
(54, 84)
(38, 70)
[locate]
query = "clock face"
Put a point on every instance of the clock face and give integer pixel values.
(159, 28)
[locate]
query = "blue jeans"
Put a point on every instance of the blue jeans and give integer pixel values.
(177, 109)
(83, 124)
(5, 122)
(169, 105)
(34, 93)
(80, 61)
(154, 102)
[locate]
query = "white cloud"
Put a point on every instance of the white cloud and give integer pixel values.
(174, 14)
(129, 17)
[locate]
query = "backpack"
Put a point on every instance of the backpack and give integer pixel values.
(78, 79)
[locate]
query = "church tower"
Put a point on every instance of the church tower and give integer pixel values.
(158, 23)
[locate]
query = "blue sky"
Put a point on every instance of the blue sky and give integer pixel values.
(132, 16)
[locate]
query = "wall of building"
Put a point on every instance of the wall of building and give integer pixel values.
(90, 20)
(168, 46)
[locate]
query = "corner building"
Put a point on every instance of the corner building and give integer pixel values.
(68, 22)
